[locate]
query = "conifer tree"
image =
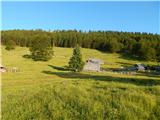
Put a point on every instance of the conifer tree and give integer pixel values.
(76, 64)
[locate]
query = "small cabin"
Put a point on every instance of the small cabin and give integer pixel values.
(138, 67)
(93, 64)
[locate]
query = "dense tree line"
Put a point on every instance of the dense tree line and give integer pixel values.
(143, 45)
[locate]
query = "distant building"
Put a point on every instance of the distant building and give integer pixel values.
(138, 67)
(93, 64)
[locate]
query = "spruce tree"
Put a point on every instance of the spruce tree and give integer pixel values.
(41, 48)
(76, 64)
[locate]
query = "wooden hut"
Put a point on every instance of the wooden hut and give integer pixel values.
(93, 64)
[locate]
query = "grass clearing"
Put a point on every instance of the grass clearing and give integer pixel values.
(41, 91)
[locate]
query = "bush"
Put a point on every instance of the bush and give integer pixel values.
(10, 45)
(41, 49)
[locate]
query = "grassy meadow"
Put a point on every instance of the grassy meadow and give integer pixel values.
(47, 91)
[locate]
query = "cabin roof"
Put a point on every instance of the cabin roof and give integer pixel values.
(140, 66)
(96, 61)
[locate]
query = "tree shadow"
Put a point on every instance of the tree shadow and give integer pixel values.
(65, 68)
(123, 64)
(135, 81)
(27, 56)
(149, 74)
(128, 56)
(111, 69)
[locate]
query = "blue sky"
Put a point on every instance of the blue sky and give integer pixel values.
(115, 16)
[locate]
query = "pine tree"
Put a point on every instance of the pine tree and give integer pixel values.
(41, 49)
(76, 64)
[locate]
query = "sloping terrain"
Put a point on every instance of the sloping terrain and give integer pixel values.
(46, 90)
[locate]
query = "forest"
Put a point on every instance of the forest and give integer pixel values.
(145, 46)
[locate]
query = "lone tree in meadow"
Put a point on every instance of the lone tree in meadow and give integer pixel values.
(41, 49)
(10, 45)
(76, 64)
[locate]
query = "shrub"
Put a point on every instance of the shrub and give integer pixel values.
(10, 45)
(41, 49)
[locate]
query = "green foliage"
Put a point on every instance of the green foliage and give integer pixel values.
(76, 64)
(41, 49)
(107, 41)
(158, 53)
(148, 53)
(135, 49)
(10, 45)
(129, 44)
(114, 46)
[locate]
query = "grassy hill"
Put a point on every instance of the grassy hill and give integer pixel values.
(46, 91)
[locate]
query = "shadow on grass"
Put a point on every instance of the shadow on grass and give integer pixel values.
(65, 68)
(128, 56)
(27, 56)
(135, 81)
(123, 64)
(149, 74)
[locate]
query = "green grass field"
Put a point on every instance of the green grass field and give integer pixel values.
(45, 91)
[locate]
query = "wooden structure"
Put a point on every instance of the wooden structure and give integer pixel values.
(93, 64)
(138, 67)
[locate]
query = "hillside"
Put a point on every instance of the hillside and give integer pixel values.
(45, 90)
(144, 45)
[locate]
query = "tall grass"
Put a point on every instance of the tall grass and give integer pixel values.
(33, 94)
(76, 101)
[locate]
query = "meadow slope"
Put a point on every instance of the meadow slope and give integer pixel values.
(46, 91)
